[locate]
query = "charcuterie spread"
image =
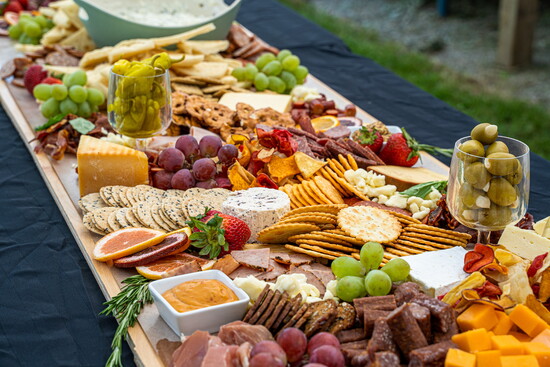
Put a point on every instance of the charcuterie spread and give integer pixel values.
(252, 217)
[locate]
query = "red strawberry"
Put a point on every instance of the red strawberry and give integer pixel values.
(24, 3)
(371, 138)
(217, 234)
(51, 80)
(14, 6)
(34, 76)
(402, 150)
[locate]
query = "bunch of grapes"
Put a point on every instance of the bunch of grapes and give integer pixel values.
(278, 73)
(292, 347)
(356, 278)
(29, 29)
(193, 164)
(71, 97)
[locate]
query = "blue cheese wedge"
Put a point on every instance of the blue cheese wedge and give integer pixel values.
(437, 272)
(523, 242)
(258, 207)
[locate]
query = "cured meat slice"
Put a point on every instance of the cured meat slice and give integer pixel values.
(381, 340)
(311, 278)
(300, 132)
(422, 316)
(300, 259)
(405, 331)
(323, 273)
(243, 272)
(364, 152)
(227, 264)
(444, 336)
(406, 292)
(243, 354)
(187, 268)
(191, 353)
(383, 303)
(239, 332)
(170, 244)
(220, 356)
(443, 315)
(432, 355)
(351, 335)
(256, 259)
(275, 269)
(303, 146)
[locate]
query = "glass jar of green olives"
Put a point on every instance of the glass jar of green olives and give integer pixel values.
(488, 181)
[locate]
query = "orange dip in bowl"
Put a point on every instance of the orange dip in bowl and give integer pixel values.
(197, 294)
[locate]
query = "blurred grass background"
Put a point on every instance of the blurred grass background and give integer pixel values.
(522, 120)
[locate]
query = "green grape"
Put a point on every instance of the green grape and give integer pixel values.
(289, 79)
(239, 73)
(301, 72)
(261, 82)
(273, 68)
(377, 283)
(398, 269)
(350, 288)
(25, 39)
(250, 72)
(67, 106)
(78, 93)
(42, 92)
(371, 255)
(79, 77)
(283, 54)
(276, 84)
(264, 59)
(94, 108)
(42, 21)
(15, 31)
(32, 29)
(345, 266)
(59, 92)
(34, 40)
(291, 63)
(50, 108)
(300, 81)
(84, 109)
(95, 97)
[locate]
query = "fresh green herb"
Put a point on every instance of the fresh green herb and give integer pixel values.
(366, 136)
(126, 307)
(82, 125)
(422, 190)
(52, 121)
(211, 236)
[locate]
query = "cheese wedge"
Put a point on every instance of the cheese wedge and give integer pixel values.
(523, 242)
(279, 102)
(101, 163)
(542, 227)
(405, 177)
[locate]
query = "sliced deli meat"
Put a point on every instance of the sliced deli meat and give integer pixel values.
(257, 259)
(191, 353)
(220, 356)
(239, 332)
(227, 264)
(167, 247)
(275, 269)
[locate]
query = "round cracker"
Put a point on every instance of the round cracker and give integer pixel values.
(336, 167)
(106, 194)
(316, 190)
(327, 245)
(157, 219)
(112, 222)
(123, 197)
(369, 224)
(130, 195)
(329, 215)
(462, 239)
(309, 252)
(345, 184)
(352, 162)
(327, 175)
(318, 237)
(132, 219)
(121, 217)
(405, 217)
(100, 218)
(299, 195)
(344, 162)
(328, 190)
(435, 238)
(89, 224)
(327, 208)
(343, 237)
(397, 252)
(287, 189)
(143, 212)
(91, 201)
(279, 233)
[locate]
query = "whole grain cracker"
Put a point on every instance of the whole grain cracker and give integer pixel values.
(279, 233)
(301, 311)
(291, 306)
(89, 224)
(326, 245)
(100, 217)
(132, 219)
(130, 195)
(116, 197)
(112, 222)
(257, 303)
(270, 308)
(283, 302)
(121, 217)
(262, 308)
(143, 211)
(157, 219)
(123, 197)
(369, 224)
(309, 252)
(106, 194)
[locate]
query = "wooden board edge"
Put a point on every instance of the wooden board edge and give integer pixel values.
(142, 348)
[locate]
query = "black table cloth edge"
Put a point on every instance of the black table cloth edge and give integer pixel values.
(50, 300)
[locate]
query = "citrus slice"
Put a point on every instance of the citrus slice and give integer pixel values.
(324, 123)
(157, 269)
(11, 17)
(125, 242)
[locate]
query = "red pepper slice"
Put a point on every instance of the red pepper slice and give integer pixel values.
(279, 139)
(263, 180)
(489, 290)
(536, 265)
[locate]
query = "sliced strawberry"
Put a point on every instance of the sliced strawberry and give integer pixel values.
(14, 6)
(51, 80)
(369, 137)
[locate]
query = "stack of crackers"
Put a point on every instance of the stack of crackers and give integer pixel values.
(334, 172)
(118, 207)
(317, 191)
(208, 87)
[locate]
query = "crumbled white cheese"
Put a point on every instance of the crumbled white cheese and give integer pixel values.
(293, 284)
(303, 93)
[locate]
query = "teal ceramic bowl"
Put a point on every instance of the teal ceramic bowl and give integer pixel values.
(107, 29)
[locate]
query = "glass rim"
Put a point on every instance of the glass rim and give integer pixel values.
(528, 150)
(142, 77)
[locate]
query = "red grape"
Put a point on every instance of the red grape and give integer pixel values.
(294, 343)
(183, 180)
(204, 169)
(328, 355)
(223, 182)
(162, 180)
(321, 339)
(208, 184)
(228, 154)
(314, 365)
(171, 159)
(265, 360)
(209, 145)
(189, 146)
(271, 347)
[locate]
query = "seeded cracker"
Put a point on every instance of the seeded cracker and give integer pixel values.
(121, 217)
(116, 197)
(256, 304)
(369, 224)
(270, 308)
(112, 222)
(310, 252)
(292, 304)
(301, 311)
(107, 196)
(130, 196)
(283, 302)
(91, 202)
(143, 212)
(90, 225)
(123, 197)
(279, 233)
(262, 308)
(132, 219)
(157, 219)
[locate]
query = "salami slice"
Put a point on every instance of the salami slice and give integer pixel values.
(170, 244)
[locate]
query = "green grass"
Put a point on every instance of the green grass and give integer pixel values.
(523, 120)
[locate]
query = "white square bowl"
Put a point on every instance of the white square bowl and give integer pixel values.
(207, 319)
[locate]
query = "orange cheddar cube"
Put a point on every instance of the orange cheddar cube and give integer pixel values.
(507, 344)
(488, 358)
(477, 316)
(528, 321)
(520, 336)
(504, 324)
(519, 361)
(543, 338)
(540, 351)
(459, 358)
(473, 341)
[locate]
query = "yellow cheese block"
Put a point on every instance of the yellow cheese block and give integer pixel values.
(473, 341)
(528, 321)
(101, 163)
(458, 358)
(504, 324)
(519, 361)
(405, 177)
(507, 345)
(477, 316)
(540, 351)
(522, 337)
(488, 358)
(543, 338)
(279, 102)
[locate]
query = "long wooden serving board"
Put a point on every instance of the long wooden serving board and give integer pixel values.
(62, 181)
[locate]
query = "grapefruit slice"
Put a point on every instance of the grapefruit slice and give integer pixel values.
(125, 242)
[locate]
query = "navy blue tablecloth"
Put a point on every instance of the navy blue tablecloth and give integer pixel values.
(49, 299)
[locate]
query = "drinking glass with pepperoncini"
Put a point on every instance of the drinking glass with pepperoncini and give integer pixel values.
(139, 98)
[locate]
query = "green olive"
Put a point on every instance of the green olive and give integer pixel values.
(477, 175)
(497, 147)
(496, 216)
(485, 133)
(515, 177)
(501, 164)
(501, 192)
(473, 198)
(472, 147)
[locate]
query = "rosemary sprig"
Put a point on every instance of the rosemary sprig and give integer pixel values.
(126, 307)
